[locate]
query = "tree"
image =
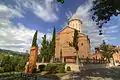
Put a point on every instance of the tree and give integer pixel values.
(75, 42)
(34, 42)
(62, 1)
(44, 52)
(52, 44)
(6, 60)
(15, 60)
(21, 65)
(103, 10)
(7, 68)
(107, 51)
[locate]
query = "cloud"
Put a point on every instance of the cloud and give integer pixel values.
(19, 38)
(89, 27)
(15, 37)
(68, 14)
(44, 9)
(8, 12)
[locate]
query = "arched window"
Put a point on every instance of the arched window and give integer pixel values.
(81, 44)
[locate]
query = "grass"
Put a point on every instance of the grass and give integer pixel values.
(10, 73)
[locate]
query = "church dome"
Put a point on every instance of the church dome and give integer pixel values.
(75, 23)
(74, 17)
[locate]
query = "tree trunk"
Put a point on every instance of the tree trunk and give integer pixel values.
(108, 59)
(43, 60)
(77, 60)
(113, 61)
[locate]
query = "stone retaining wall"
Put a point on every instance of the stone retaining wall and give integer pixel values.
(73, 66)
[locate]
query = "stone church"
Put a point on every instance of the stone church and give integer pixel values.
(65, 36)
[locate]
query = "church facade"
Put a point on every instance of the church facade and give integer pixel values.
(65, 36)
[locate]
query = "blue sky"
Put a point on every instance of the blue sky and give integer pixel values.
(20, 18)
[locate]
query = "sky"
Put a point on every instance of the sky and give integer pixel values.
(19, 19)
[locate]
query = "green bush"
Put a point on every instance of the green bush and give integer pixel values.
(68, 68)
(87, 60)
(41, 67)
(54, 68)
(34, 70)
(7, 68)
(61, 68)
(51, 68)
(1, 70)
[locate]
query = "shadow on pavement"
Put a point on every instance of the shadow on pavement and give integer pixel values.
(112, 73)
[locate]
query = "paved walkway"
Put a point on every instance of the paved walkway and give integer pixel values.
(95, 74)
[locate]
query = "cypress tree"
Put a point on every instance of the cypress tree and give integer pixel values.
(75, 44)
(34, 42)
(45, 50)
(53, 42)
(75, 40)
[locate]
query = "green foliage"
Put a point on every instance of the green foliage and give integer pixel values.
(103, 10)
(106, 51)
(7, 68)
(68, 68)
(62, 1)
(51, 68)
(45, 50)
(61, 68)
(41, 67)
(54, 68)
(53, 42)
(75, 40)
(1, 70)
(21, 65)
(34, 42)
(12, 62)
(34, 70)
(87, 60)
(48, 48)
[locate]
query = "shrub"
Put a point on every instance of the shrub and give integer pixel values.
(61, 68)
(51, 68)
(34, 70)
(41, 67)
(54, 68)
(1, 70)
(87, 60)
(68, 68)
(7, 68)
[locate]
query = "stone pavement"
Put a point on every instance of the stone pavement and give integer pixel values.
(95, 74)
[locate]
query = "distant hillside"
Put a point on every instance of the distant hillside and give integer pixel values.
(12, 52)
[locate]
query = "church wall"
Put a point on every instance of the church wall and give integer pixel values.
(64, 47)
(57, 49)
(65, 37)
(83, 47)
